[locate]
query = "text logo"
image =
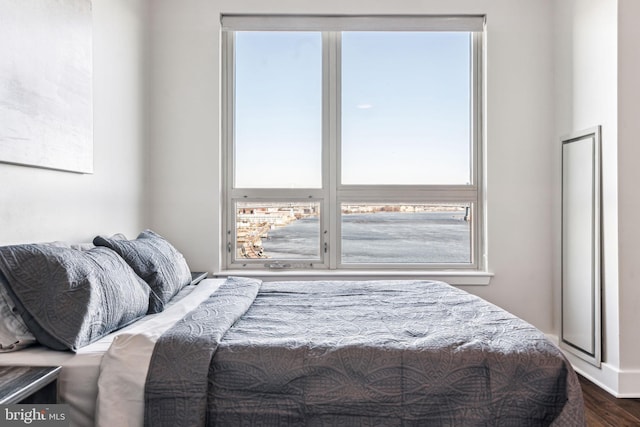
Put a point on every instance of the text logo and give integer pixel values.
(34, 415)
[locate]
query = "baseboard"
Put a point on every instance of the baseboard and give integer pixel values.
(606, 377)
(629, 384)
(621, 383)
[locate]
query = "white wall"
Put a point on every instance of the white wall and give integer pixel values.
(628, 193)
(44, 205)
(184, 131)
(597, 64)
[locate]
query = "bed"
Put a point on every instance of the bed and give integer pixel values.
(239, 351)
(78, 379)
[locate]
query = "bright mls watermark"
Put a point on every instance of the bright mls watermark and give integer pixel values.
(34, 415)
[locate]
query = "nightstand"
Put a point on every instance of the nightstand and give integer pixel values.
(198, 276)
(28, 384)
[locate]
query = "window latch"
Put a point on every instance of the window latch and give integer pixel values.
(276, 265)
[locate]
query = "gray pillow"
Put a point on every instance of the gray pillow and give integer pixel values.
(155, 260)
(70, 298)
(14, 334)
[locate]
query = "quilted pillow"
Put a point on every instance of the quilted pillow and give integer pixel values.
(14, 334)
(70, 298)
(155, 260)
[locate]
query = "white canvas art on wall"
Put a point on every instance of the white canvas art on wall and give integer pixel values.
(46, 84)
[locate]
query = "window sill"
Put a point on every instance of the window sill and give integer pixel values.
(457, 278)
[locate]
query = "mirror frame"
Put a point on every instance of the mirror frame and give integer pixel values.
(581, 310)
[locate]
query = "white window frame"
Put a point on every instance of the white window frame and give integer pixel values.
(333, 193)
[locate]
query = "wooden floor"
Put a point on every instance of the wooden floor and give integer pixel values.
(603, 409)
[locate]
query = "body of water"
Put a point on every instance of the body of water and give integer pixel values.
(381, 237)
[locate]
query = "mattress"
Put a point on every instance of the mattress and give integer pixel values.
(78, 379)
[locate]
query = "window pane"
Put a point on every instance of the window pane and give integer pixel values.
(278, 231)
(278, 110)
(401, 233)
(406, 108)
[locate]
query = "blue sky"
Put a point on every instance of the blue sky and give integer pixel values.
(405, 108)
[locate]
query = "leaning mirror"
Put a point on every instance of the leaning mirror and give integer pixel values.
(581, 310)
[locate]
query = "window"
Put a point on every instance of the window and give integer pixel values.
(352, 142)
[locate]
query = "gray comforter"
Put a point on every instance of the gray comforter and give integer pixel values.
(357, 353)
